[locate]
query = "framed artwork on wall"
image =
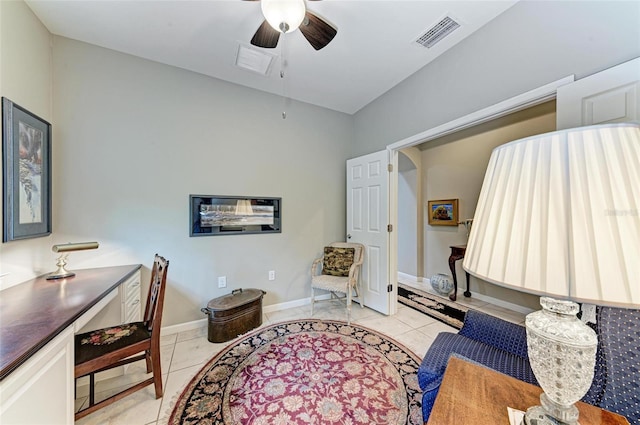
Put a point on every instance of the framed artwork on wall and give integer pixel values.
(212, 215)
(26, 165)
(443, 212)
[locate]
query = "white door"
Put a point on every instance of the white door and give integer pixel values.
(367, 220)
(612, 95)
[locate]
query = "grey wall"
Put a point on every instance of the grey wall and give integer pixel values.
(134, 138)
(531, 44)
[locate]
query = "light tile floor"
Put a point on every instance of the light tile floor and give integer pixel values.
(184, 354)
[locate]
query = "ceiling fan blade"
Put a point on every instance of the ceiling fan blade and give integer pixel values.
(317, 31)
(265, 36)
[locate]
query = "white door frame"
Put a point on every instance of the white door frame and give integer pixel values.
(514, 104)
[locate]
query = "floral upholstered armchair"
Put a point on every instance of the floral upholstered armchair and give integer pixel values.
(337, 271)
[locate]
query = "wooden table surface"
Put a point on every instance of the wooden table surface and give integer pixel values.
(473, 394)
(34, 312)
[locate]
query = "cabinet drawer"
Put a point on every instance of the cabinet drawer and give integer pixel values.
(132, 310)
(131, 300)
(132, 287)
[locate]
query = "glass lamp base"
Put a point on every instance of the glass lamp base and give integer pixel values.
(537, 415)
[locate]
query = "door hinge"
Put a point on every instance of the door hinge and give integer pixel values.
(389, 287)
(389, 167)
(389, 228)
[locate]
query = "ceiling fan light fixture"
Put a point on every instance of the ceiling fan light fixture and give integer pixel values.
(283, 15)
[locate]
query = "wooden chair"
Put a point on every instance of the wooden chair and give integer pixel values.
(104, 349)
(339, 273)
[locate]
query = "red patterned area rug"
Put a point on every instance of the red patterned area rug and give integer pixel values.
(305, 372)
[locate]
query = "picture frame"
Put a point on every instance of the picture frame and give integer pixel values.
(443, 212)
(26, 161)
(213, 215)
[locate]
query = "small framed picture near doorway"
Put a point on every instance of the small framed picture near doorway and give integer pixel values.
(443, 212)
(26, 165)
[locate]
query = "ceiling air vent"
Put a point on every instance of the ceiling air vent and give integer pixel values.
(437, 32)
(253, 59)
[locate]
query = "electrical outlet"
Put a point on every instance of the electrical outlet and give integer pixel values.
(272, 275)
(222, 282)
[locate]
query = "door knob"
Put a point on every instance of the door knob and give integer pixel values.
(348, 235)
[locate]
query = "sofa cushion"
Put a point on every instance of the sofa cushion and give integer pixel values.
(496, 332)
(435, 361)
(619, 333)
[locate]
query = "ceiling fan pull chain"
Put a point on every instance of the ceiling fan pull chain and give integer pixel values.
(283, 63)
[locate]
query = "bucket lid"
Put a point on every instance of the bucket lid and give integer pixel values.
(236, 298)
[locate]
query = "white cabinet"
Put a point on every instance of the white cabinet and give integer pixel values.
(131, 300)
(40, 391)
(37, 375)
(123, 305)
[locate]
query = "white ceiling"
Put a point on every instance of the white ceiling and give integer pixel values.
(373, 51)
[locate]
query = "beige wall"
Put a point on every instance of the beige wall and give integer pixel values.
(25, 79)
(454, 167)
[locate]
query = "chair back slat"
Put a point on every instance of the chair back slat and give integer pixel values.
(155, 299)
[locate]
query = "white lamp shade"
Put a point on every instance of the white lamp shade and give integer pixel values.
(559, 215)
(290, 12)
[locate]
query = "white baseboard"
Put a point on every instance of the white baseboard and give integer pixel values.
(202, 323)
(498, 302)
(291, 304)
(407, 276)
(183, 327)
(480, 297)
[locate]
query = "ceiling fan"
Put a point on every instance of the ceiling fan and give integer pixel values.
(283, 16)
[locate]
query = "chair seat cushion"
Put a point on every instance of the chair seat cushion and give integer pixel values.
(337, 261)
(330, 283)
(93, 344)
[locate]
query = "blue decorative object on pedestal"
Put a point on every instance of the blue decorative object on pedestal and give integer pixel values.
(441, 283)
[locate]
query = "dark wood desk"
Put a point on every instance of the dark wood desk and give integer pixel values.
(34, 312)
(473, 394)
(457, 253)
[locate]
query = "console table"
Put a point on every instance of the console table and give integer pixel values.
(38, 321)
(474, 394)
(457, 253)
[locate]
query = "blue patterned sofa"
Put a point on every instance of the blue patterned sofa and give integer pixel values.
(502, 346)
